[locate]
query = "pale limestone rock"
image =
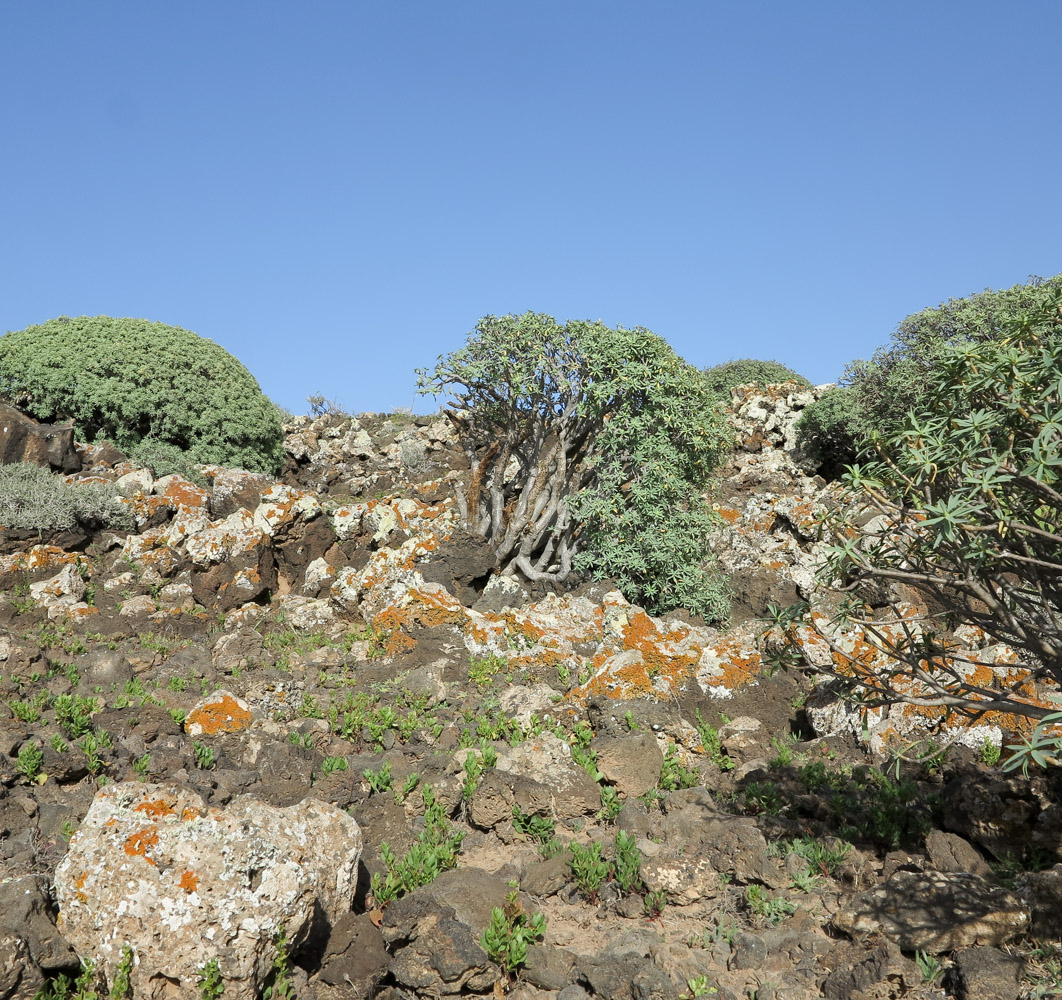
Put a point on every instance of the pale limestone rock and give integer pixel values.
(307, 613)
(346, 520)
(632, 763)
(137, 481)
(225, 539)
(61, 593)
(119, 582)
(177, 596)
(282, 504)
(317, 574)
(545, 759)
(520, 703)
(182, 884)
(140, 605)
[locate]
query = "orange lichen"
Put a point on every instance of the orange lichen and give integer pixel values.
(181, 493)
(85, 611)
(663, 662)
(225, 715)
(139, 843)
(156, 808)
(740, 665)
(728, 514)
(189, 881)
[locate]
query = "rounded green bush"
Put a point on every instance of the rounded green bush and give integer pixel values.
(741, 371)
(875, 396)
(831, 430)
(128, 380)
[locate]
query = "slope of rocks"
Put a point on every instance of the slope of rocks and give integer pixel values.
(293, 736)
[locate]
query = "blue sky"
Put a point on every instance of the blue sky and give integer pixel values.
(336, 191)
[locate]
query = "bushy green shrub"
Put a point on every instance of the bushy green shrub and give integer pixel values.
(831, 430)
(875, 396)
(590, 449)
(129, 379)
(741, 371)
(32, 498)
(165, 459)
(900, 378)
(965, 508)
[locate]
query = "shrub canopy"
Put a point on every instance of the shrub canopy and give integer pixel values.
(875, 396)
(741, 371)
(964, 507)
(130, 380)
(591, 448)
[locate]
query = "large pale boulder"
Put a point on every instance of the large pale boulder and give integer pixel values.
(154, 868)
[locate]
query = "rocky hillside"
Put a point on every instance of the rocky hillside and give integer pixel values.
(292, 738)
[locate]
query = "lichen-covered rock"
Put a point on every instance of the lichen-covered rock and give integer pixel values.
(220, 712)
(181, 884)
(62, 593)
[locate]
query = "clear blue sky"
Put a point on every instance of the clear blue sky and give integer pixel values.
(336, 191)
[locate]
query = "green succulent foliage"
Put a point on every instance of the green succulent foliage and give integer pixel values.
(831, 430)
(165, 459)
(970, 487)
(510, 932)
(128, 380)
(743, 371)
(614, 439)
(876, 395)
(32, 498)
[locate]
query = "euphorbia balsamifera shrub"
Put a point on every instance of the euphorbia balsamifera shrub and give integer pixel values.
(742, 371)
(900, 378)
(130, 380)
(964, 506)
(591, 449)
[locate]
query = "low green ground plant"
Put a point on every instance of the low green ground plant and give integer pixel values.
(210, 983)
(673, 775)
(772, 909)
(511, 931)
(434, 852)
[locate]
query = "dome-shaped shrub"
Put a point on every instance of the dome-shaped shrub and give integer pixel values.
(129, 380)
(742, 371)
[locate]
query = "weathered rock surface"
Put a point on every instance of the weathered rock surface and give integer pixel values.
(434, 933)
(936, 912)
(986, 974)
(23, 439)
(182, 883)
